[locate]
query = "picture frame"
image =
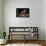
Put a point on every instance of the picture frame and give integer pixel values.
(22, 12)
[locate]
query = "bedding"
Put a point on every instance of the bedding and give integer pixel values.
(23, 45)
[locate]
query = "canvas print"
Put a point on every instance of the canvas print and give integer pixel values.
(22, 12)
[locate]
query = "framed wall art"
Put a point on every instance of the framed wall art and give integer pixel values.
(22, 12)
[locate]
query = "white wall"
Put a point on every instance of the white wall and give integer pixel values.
(36, 15)
(45, 19)
(0, 13)
(0, 18)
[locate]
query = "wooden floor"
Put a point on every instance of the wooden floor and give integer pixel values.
(40, 42)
